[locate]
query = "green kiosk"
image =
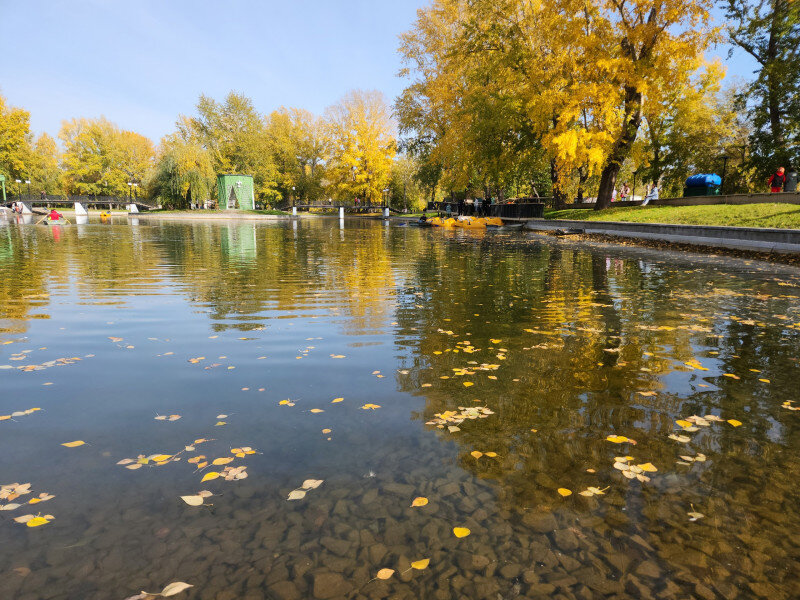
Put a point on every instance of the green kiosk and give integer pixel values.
(235, 192)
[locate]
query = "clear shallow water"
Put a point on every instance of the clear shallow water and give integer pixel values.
(174, 318)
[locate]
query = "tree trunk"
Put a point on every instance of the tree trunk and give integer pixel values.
(559, 197)
(622, 146)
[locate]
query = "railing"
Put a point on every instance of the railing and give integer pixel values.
(506, 210)
(53, 199)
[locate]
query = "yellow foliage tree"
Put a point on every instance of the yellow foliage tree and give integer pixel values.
(361, 135)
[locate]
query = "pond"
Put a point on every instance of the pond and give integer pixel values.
(593, 421)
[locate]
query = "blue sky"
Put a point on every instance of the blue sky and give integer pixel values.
(141, 63)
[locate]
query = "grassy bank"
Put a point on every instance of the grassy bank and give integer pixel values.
(785, 216)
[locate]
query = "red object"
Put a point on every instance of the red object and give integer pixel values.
(54, 215)
(776, 182)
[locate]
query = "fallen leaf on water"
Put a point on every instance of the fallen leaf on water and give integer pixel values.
(461, 532)
(11, 506)
(683, 423)
(647, 394)
(209, 476)
(476, 453)
(565, 492)
(335, 400)
(220, 423)
(193, 500)
(453, 428)
(312, 484)
(296, 495)
(680, 438)
(316, 410)
(326, 430)
(286, 403)
(173, 588)
(384, 574)
(419, 501)
(491, 454)
(222, 461)
(74, 444)
(468, 384)
(734, 422)
(371, 406)
(421, 564)
(648, 467)
(617, 439)
(731, 375)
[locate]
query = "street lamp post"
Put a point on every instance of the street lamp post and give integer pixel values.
(28, 183)
(633, 191)
(725, 159)
(292, 196)
(19, 189)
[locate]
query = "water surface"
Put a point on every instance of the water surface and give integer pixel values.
(539, 349)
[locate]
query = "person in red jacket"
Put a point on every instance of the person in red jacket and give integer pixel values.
(777, 181)
(54, 215)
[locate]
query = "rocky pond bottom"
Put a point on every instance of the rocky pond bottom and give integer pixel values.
(307, 411)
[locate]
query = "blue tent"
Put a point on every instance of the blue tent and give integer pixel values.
(704, 180)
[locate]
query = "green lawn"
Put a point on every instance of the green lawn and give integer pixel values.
(786, 216)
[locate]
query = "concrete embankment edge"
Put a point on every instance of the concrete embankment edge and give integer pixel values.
(737, 238)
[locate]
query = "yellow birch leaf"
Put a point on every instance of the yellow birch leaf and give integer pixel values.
(649, 467)
(617, 439)
(36, 521)
(222, 461)
(335, 400)
(491, 454)
(734, 422)
(683, 423)
(565, 492)
(384, 574)
(468, 383)
(476, 453)
(74, 444)
(316, 410)
(209, 476)
(461, 532)
(419, 501)
(421, 564)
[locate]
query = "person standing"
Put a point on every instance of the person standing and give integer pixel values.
(624, 192)
(777, 181)
(478, 207)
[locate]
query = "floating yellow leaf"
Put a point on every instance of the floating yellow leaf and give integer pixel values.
(734, 422)
(326, 430)
(316, 410)
(617, 439)
(649, 467)
(193, 500)
(476, 453)
(36, 521)
(209, 476)
(683, 423)
(461, 532)
(296, 495)
(335, 400)
(222, 461)
(370, 406)
(565, 492)
(173, 588)
(491, 454)
(421, 564)
(74, 444)
(731, 375)
(384, 574)
(419, 501)
(219, 423)
(468, 384)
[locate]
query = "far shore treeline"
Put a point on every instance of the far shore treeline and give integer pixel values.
(504, 98)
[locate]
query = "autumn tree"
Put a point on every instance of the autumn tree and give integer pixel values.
(45, 171)
(769, 31)
(298, 143)
(101, 159)
(15, 146)
(235, 135)
(183, 174)
(362, 141)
